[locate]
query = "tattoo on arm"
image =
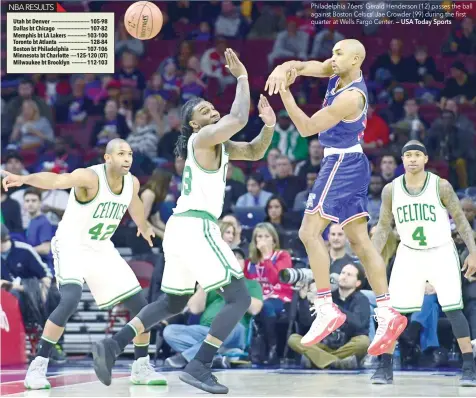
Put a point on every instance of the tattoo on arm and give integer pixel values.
(450, 200)
(385, 222)
(241, 105)
(253, 150)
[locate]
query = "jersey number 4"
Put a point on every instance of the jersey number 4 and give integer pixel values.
(97, 230)
(419, 236)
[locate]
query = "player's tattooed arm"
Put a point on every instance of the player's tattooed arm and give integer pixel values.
(385, 221)
(451, 201)
(346, 104)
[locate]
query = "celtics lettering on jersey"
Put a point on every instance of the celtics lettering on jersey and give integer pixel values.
(94, 222)
(421, 220)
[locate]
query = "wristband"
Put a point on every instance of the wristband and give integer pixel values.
(270, 126)
(239, 77)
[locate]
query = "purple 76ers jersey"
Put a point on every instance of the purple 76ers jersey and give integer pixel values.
(346, 133)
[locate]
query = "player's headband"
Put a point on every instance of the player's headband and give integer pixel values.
(414, 147)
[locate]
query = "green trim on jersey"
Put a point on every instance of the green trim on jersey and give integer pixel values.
(204, 215)
(407, 310)
(178, 292)
(95, 196)
(107, 183)
(69, 281)
(438, 192)
(120, 298)
(425, 185)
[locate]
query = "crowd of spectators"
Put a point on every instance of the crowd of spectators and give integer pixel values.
(58, 123)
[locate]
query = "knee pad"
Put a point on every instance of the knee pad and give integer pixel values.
(459, 323)
(135, 303)
(236, 293)
(176, 304)
(70, 297)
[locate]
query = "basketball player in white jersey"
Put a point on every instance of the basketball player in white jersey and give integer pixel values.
(193, 247)
(419, 202)
(83, 251)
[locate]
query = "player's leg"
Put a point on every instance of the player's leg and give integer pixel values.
(69, 275)
(445, 272)
(391, 323)
(407, 286)
(219, 270)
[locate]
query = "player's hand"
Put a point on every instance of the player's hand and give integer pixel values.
(147, 233)
(266, 113)
(11, 180)
(470, 266)
(233, 64)
(277, 80)
(291, 76)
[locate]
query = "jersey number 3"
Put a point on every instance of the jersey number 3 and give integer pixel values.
(419, 236)
(97, 230)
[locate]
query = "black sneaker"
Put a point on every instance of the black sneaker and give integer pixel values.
(176, 362)
(200, 376)
(105, 353)
(468, 378)
(383, 374)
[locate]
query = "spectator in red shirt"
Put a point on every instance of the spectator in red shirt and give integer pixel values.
(266, 260)
(377, 132)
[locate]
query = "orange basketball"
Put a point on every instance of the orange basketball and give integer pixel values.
(143, 20)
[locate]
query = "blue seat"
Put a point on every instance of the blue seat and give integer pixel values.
(250, 216)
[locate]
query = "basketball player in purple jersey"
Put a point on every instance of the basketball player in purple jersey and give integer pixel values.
(339, 193)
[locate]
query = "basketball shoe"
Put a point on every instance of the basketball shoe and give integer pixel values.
(391, 325)
(328, 319)
(144, 373)
(35, 378)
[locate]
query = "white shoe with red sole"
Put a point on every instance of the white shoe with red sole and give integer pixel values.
(391, 325)
(328, 319)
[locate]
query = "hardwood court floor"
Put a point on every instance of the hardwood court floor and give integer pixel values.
(76, 382)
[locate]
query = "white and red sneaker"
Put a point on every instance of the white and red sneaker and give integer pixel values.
(328, 319)
(391, 325)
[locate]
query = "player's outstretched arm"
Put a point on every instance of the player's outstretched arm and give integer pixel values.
(451, 201)
(229, 125)
(277, 79)
(385, 221)
(79, 178)
(255, 149)
(136, 210)
(346, 104)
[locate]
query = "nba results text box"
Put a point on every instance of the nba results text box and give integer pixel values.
(69, 42)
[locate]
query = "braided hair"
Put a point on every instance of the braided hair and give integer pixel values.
(185, 129)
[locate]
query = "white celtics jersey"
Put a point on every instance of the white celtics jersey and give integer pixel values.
(94, 222)
(421, 219)
(202, 190)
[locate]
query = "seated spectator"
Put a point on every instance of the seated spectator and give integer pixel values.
(419, 65)
(395, 110)
(285, 184)
(171, 81)
(388, 165)
(427, 93)
(300, 200)
(240, 240)
(462, 40)
(155, 106)
(11, 212)
(276, 214)
(187, 339)
(31, 130)
(461, 121)
(40, 231)
(75, 107)
(292, 43)
(14, 107)
(377, 133)
(143, 138)
(155, 87)
(338, 250)
(469, 209)
(113, 125)
(129, 75)
(227, 231)
(324, 42)
(169, 140)
(270, 21)
(128, 105)
(460, 87)
(269, 171)
(61, 159)
(417, 123)
(203, 33)
(210, 11)
(313, 164)
(153, 194)
(263, 266)
(287, 139)
(183, 11)
(389, 66)
(213, 63)
(125, 42)
(51, 86)
(230, 23)
(191, 87)
(175, 187)
(375, 197)
(256, 196)
(345, 347)
(14, 164)
(233, 190)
